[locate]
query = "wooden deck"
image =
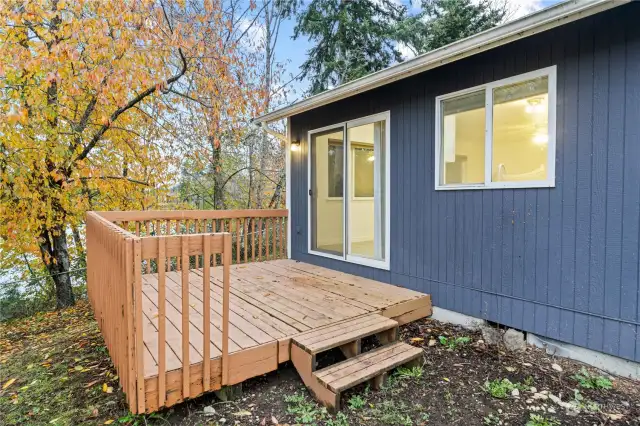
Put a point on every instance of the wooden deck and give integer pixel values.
(270, 302)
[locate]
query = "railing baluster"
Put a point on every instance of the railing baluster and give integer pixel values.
(245, 227)
(178, 232)
(162, 325)
(266, 238)
(253, 239)
(259, 239)
(274, 238)
(184, 242)
(282, 250)
(206, 313)
(238, 241)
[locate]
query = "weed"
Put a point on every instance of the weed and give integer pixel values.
(356, 402)
(588, 381)
(305, 412)
(340, 420)
(491, 420)
(409, 373)
(538, 420)
(138, 419)
(390, 413)
(452, 343)
(503, 388)
(583, 403)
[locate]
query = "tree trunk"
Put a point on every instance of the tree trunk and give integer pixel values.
(218, 181)
(275, 199)
(55, 255)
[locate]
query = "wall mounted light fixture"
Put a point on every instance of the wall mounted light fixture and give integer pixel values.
(295, 146)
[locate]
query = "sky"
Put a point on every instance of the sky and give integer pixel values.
(293, 52)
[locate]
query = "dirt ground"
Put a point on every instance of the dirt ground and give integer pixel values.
(54, 370)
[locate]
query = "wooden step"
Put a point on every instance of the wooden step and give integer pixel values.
(361, 368)
(342, 333)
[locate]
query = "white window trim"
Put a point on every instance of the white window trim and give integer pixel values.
(550, 182)
(346, 257)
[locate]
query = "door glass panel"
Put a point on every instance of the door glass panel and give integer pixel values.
(366, 183)
(327, 183)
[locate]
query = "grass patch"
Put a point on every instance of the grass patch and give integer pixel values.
(453, 342)
(304, 411)
(502, 388)
(58, 371)
(588, 381)
(409, 373)
(538, 420)
(390, 412)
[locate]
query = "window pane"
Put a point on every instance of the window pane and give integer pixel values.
(335, 164)
(327, 208)
(463, 134)
(366, 204)
(363, 159)
(521, 131)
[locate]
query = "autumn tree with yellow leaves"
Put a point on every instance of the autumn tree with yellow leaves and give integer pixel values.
(87, 91)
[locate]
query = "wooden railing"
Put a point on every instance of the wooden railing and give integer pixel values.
(124, 246)
(256, 234)
(110, 289)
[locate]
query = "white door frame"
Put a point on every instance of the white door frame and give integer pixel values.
(385, 191)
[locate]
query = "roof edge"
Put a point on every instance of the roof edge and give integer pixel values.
(543, 20)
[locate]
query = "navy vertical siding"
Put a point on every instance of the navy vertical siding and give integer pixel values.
(560, 262)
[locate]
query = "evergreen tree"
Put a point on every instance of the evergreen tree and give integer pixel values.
(354, 38)
(442, 22)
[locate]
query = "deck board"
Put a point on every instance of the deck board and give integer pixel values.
(270, 302)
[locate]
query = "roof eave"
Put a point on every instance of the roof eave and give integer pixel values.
(538, 22)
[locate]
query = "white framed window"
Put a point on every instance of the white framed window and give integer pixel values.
(349, 175)
(498, 135)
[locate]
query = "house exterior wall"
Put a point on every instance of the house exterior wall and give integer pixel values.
(560, 262)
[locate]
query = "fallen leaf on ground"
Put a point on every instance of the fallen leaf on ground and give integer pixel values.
(8, 383)
(242, 413)
(614, 416)
(417, 339)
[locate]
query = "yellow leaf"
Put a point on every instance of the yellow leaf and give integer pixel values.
(9, 383)
(106, 388)
(108, 422)
(417, 339)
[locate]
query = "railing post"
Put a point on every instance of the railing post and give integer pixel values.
(225, 307)
(162, 323)
(184, 243)
(137, 303)
(206, 312)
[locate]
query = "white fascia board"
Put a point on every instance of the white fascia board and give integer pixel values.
(526, 26)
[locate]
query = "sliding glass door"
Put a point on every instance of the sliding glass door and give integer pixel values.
(348, 182)
(326, 191)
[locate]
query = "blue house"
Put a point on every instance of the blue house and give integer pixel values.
(500, 174)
